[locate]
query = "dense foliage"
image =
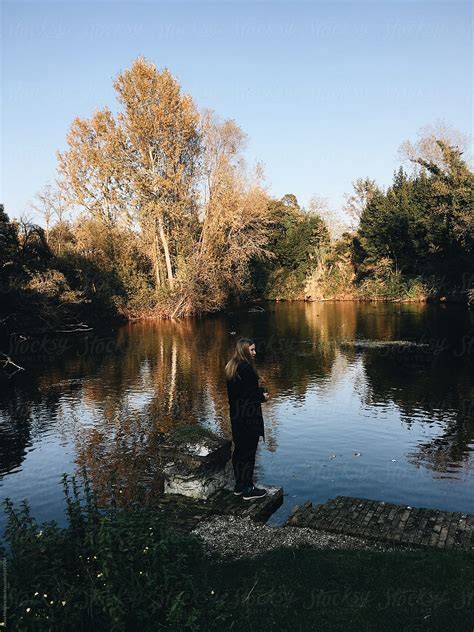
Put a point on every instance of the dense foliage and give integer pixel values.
(422, 228)
(296, 239)
(42, 291)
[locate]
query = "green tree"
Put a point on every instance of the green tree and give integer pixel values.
(451, 204)
(423, 225)
(296, 238)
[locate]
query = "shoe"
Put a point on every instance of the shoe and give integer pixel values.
(253, 492)
(238, 490)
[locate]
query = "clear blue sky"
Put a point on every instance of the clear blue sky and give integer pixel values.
(325, 91)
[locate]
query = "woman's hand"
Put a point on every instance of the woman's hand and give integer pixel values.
(266, 395)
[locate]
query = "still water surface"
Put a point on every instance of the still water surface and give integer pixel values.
(388, 422)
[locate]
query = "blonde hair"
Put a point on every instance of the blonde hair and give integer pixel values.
(241, 354)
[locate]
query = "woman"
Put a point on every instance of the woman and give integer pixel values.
(245, 397)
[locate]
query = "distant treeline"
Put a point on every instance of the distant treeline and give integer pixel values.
(168, 221)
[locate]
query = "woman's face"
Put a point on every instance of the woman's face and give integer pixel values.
(253, 353)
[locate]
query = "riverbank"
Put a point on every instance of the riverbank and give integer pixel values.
(457, 298)
(129, 570)
(32, 321)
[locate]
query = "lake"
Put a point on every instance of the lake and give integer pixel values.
(352, 409)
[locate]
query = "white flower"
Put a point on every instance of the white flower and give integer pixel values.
(100, 574)
(28, 609)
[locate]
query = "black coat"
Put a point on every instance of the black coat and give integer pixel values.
(245, 397)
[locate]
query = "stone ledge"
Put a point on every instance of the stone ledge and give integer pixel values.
(184, 512)
(258, 509)
(387, 522)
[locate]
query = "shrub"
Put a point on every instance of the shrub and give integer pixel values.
(107, 570)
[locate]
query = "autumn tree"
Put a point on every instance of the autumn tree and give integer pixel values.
(137, 172)
(92, 167)
(235, 219)
(92, 172)
(160, 158)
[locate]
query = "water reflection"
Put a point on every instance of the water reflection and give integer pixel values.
(122, 461)
(113, 394)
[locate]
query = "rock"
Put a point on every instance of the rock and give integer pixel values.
(197, 483)
(195, 462)
(195, 446)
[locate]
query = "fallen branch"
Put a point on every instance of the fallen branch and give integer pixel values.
(251, 590)
(7, 361)
(4, 320)
(79, 327)
(177, 308)
(72, 331)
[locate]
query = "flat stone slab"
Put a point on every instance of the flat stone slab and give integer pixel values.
(184, 512)
(387, 522)
(258, 509)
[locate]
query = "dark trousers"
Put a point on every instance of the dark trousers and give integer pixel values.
(243, 457)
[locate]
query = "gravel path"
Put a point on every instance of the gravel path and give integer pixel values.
(231, 537)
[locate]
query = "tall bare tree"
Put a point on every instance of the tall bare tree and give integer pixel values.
(223, 143)
(51, 203)
(427, 148)
(355, 202)
(335, 225)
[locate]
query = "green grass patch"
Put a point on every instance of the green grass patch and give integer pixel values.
(306, 589)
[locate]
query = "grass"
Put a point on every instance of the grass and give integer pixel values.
(127, 569)
(306, 589)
